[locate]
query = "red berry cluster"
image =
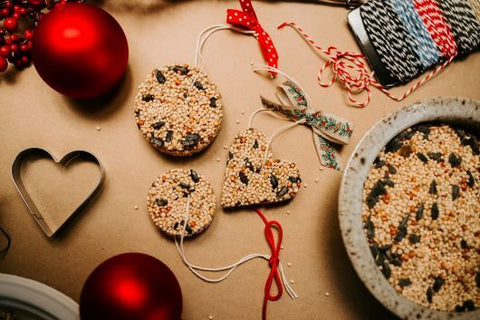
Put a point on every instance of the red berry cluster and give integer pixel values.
(19, 20)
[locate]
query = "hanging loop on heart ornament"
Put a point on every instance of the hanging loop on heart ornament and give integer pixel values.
(28, 154)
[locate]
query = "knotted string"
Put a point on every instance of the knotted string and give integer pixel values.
(277, 273)
(273, 261)
(350, 69)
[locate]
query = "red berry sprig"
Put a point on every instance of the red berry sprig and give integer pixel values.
(20, 18)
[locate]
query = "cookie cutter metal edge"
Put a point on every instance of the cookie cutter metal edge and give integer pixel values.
(64, 161)
(381, 73)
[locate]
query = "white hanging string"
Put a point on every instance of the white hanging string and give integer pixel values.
(202, 39)
(194, 268)
(261, 67)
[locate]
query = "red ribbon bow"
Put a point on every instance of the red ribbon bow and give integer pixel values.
(248, 19)
(273, 262)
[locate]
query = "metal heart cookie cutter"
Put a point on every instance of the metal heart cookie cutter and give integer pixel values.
(65, 161)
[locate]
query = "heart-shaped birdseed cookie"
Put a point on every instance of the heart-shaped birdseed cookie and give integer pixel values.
(247, 182)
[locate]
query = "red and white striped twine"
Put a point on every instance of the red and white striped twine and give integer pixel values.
(351, 70)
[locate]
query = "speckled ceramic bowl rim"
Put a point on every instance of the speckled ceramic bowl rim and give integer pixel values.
(450, 110)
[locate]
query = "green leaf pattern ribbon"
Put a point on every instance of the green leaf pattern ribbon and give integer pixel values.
(328, 129)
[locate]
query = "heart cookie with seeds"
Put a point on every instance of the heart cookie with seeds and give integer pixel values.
(253, 176)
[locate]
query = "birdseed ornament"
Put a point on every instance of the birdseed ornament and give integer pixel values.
(178, 108)
(181, 203)
(253, 176)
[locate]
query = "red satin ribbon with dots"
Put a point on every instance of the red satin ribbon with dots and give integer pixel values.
(273, 262)
(248, 19)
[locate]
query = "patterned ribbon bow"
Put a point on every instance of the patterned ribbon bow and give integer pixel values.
(248, 19)
(328, 129)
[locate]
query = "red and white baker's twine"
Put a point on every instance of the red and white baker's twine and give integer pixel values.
(351, 70)
(409, 36)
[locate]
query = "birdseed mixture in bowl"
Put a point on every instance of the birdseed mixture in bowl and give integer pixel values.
(408, 210)
(178, 109)
(421, 215)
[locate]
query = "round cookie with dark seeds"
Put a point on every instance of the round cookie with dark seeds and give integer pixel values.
(167, 202)
(178, 109)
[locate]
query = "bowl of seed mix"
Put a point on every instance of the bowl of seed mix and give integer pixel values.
(409, 210)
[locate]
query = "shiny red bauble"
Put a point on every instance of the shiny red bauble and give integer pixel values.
(80, 50)
(131, 286)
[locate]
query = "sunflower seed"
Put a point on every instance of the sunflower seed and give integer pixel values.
(160, 77)
(243, 177)
(414, 238)
(157, 142)
(393, 145)
(157, 125)
(194, 176)
(422, 157)
(184, 185)
(387, 272)
(374, 250)
(370, 227)
(404, 282)
(148, 97)
(435, 211)
(181, 69)
(283, 191)
(213, 102)
(429, 295)
(433, 187)
(198, 85)
(161, 202)
(169, 136)
(419, 212)
(471, 179)
(274, 181)
(392, 169)
(455, 192)
(437, 156)
(454, 160)
(437, 284)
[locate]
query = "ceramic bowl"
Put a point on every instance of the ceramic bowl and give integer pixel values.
(465, 112)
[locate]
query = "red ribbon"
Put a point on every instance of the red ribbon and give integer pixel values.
(273, 262)
(248, 19)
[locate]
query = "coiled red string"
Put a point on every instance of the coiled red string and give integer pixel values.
(351, 70)
(273, 262)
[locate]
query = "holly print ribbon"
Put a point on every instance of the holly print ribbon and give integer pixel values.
(328, 129)
(248, 19)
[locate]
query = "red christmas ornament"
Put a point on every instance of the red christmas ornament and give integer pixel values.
(131, 286)
(79, 50)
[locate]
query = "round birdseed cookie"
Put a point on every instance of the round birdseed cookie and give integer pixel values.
(167, 202)
(178, 109)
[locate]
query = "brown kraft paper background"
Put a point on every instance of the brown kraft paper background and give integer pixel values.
(34, 115)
